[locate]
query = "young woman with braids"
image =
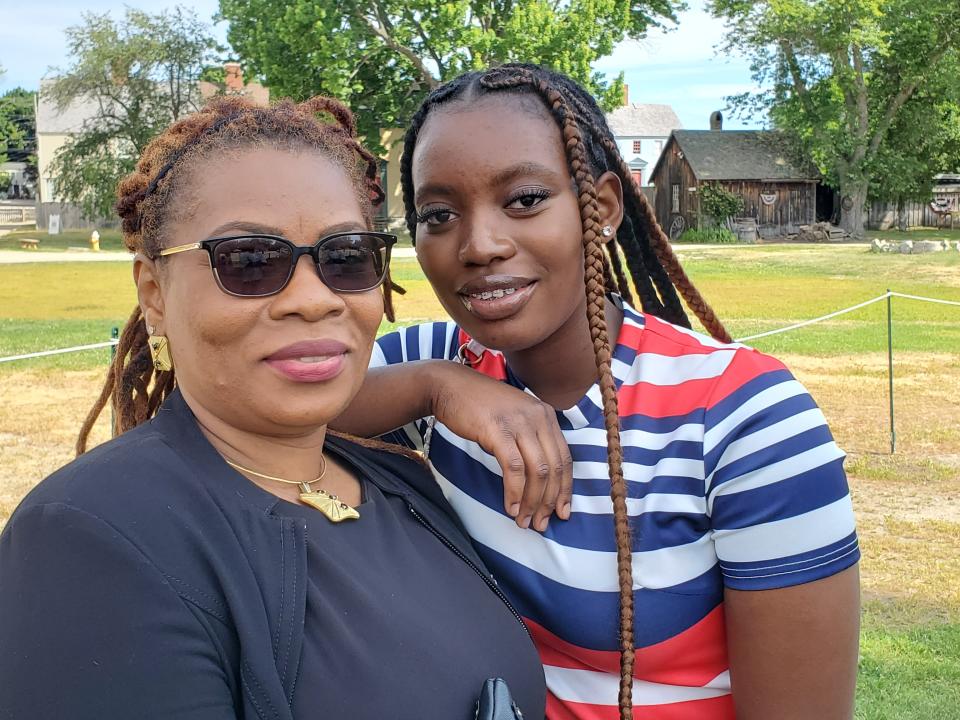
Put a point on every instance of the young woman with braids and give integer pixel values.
(226, 557)
(704, 566)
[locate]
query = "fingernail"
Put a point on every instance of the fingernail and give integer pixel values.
(542, 525)
(525, 521)
(514, 509)
(565, 511)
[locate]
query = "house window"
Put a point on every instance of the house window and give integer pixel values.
(675, 201)
(636, 147)
(637, 177)
(659, 146)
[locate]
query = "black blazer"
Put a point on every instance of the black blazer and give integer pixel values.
(165, 543)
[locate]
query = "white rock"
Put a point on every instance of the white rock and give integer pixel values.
(906, 247)
(926, 246)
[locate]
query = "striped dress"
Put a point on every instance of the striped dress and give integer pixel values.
(734, 481)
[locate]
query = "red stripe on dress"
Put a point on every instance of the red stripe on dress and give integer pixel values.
(660, 401)
(664, 340)
(717, 708)
(693, 658)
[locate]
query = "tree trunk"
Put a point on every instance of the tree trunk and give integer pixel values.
(901, 214)
(853, 202)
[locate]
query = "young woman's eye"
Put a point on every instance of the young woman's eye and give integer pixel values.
(434, 216)
(528, 199)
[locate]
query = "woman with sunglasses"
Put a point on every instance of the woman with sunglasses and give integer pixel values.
(226, 556)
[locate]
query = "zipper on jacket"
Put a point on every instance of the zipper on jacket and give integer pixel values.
(491, 583)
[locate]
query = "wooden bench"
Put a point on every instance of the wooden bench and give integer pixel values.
(29, 243)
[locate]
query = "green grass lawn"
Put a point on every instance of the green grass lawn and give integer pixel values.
(907, 673)
(754, 289)
(109, 240)
(760, 288)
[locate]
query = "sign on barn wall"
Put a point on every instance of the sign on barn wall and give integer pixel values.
(768, 198)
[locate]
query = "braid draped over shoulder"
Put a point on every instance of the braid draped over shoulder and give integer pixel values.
(640, 244)
(159, 186)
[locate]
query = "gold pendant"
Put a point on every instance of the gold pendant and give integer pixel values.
(330, 505)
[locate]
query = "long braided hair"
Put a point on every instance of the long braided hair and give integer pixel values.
(148, 196)
(640, 245)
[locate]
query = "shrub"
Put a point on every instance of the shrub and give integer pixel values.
(718, 203)
(713, 236)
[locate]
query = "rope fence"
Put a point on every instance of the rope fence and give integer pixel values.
(888, 296)
(60, 351)
(797, 326)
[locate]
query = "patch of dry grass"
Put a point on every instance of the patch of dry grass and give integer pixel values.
(40, 413)
(908, 504)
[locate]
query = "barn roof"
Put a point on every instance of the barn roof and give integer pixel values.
(739, 155)
(643, 120)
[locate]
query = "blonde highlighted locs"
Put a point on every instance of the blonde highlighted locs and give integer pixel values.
(148, 197)
(641, 244)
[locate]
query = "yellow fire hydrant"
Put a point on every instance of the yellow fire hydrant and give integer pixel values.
(95, 241)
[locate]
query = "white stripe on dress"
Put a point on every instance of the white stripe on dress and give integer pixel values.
(592, 570)
(758, 404)
(599, 688)
(791, 536)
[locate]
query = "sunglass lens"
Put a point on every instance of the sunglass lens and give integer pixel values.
(353, 263)
(252, 266)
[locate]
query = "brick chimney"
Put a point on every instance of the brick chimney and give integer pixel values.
(233, 77)
(626, 94)
(716, 120)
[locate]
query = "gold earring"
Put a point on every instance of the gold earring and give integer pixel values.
(160, 351)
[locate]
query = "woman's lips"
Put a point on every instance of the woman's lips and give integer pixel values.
(497, 302)
(309, 361)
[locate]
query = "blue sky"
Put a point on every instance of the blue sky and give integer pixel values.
(680, 67)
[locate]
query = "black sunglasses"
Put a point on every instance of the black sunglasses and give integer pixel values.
(261, 265)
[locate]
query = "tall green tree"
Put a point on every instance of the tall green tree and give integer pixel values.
(3, 157)
(840, 76)
(383, 56)
(139, 74)
(18, 128)
(924, 141)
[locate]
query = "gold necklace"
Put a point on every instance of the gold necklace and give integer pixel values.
(330, 505)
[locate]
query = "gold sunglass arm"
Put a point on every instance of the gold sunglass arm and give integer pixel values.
(180, 248)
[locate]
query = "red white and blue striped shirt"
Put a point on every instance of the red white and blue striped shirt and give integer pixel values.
(734, 481)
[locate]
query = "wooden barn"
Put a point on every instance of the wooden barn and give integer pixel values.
(753, 164)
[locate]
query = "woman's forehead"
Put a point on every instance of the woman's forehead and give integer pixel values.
(271, 186)
(488, 133)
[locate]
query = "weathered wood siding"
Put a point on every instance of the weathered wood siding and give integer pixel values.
(883, 215)
(70, 217)
(795, 204)
(674, 170)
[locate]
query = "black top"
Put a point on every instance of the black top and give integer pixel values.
(424, 628)
(147, 579)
